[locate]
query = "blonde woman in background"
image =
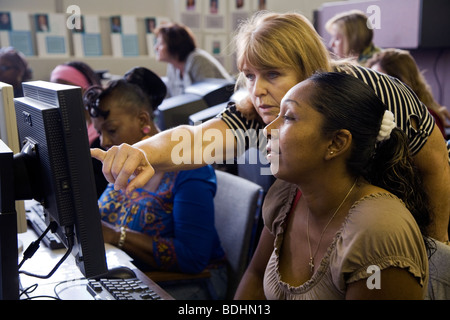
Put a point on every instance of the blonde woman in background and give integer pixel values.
(401, 65)
(352, 36)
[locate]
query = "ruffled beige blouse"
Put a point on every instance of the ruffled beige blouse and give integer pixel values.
(378, 231)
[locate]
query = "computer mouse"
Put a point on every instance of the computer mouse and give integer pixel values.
(121, 272)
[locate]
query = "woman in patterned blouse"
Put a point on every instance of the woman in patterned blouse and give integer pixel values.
(168, 224)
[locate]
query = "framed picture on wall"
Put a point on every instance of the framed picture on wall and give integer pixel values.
(215, 14)
(87, 39)
(15, 31)
(51, 38)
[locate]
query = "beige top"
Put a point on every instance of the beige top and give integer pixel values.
(378, 231)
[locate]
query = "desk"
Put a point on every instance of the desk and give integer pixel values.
(68, 283)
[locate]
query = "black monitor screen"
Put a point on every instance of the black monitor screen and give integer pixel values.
(54, 167)
(175, 111)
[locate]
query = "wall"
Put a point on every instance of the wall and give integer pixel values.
(140, 8)
(42, 66)
(435, 65)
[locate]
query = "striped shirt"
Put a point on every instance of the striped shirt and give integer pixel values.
(399, 99)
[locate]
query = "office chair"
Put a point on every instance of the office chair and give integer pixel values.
(238, 210)
(439, 273)
(253, 166)
(237, 213)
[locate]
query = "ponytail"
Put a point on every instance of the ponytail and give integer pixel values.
(392, 168)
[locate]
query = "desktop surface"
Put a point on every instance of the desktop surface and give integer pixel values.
(68, 283)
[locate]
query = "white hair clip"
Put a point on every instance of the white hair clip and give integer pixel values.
(387, 125)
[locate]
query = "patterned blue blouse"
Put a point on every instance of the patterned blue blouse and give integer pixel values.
(179, 217)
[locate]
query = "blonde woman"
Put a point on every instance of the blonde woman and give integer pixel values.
(292, 51)
(351, 36)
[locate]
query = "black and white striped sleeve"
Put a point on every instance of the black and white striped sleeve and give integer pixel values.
(248, 133)
(403, 103)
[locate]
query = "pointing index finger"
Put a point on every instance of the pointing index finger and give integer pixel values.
(98, 154)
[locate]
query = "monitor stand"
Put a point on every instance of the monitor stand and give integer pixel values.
(9, 273)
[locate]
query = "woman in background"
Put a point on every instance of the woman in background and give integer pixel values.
(14, 69)
(187, 64)
(352, 36)
(78, 73)
(401, 65)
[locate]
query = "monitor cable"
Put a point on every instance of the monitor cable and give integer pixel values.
(34, 246)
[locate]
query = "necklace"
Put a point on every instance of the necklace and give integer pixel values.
(312, 256)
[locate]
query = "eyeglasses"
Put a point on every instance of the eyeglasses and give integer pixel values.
(4, 68)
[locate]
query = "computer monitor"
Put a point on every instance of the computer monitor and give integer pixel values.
(175, 111)
(54, 167)
(213, 91)
(9, 135)
(207, 114)
(9, 276)
(212, 112)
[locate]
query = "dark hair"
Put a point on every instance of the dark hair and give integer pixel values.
(150, 83)
(179, 39)
(348, 103)
(90, 75)
(19, 60)
(128, 95)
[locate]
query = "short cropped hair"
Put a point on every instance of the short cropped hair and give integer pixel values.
(179, 39)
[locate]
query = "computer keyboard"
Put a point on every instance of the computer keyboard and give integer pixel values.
(121, 289)
(36, 221)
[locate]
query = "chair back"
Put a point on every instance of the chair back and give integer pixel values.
(251, 167)
(439, 273)
(237, 213)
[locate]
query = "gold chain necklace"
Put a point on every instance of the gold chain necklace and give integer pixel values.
(311, 256)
